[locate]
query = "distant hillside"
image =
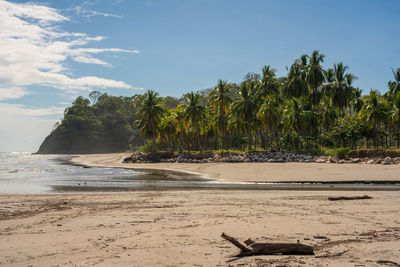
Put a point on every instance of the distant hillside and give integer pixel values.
(105, 126)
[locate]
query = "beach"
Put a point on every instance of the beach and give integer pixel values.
(199, 133)
(183, 228)
(257, 172)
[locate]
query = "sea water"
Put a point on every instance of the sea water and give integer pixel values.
(27, 173)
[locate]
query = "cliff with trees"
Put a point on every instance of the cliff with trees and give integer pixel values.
(102, 125)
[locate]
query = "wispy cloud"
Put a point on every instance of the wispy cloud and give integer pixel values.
(83, 55)
(34, 50)
(41, 13)
(12, 93)
(117, 2)
(83, 11)
(18, 110)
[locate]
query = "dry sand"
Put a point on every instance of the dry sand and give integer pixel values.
(260, 172)
(183, 228)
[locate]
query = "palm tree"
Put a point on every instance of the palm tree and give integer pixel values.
(394, 116)
(270, 116)
(195, 112)
(269, 84)
(251, 76)
(236, 126)
(181, 130)
(315, 75)
(295, 85)
(340, 88)
(310, 119)
(357, 102)
(150, 111)
(330, 78)
(245, 106)
(327, 114)
(168, 129)
(374, 112)
(220, 100)
(294, 115)
(210, 129)
(394, 86)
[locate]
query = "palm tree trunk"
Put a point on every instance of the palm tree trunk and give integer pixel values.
(376, 139)
(228, 142)
(398, 139)
(264, 139)
(169, 141)
(276, 140)
(198, 140)
(249, 137)
(255, 138)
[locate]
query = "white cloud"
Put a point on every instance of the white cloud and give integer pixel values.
(18, 110)
(43, 14)
(34, 50)
(12, 93)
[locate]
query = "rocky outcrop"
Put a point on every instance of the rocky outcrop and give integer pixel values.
(267, 157)
(374, 153)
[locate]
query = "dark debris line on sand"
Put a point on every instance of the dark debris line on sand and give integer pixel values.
(349, 198)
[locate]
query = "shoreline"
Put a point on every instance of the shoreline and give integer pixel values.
(256, 172)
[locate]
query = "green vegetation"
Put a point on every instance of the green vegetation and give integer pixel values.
(313, 108)
(340, 152)
(103, 125)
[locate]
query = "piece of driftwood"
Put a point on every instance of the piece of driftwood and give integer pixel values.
(333, 255)
(349, 198)
(253, 248)
(320, 237)
(388, 262)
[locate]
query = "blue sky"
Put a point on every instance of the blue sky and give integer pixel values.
(53, 51)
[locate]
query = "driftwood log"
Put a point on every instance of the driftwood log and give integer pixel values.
(349, 198)
(388, 262)
(333, 255)
(253, 248)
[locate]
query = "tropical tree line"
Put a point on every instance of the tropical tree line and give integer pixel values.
(311, 107)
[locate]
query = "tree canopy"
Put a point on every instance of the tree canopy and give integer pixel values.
(310, 107)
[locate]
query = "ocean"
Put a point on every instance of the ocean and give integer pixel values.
(27, 173)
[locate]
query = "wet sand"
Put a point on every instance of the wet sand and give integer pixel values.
(183, 228)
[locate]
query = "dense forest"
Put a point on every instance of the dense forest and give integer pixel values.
(102, 124)
(312, 108)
